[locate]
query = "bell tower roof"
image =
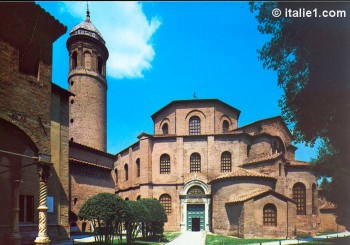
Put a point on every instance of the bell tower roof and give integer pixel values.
(86, 28)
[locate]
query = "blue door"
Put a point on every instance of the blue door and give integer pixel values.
(195, 217)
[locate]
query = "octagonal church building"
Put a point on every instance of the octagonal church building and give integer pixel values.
(211, 175)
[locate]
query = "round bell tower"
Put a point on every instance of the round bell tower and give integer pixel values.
(87, 80)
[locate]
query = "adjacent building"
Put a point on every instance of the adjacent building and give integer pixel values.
(34, 114)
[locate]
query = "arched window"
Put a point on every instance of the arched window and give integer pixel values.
(138, 197)
(314, 199)
(74, 60)
(75, 201)
(270, 215)
(100, 65)
(280, 169)
(138, 169)
(299, 196)
(248, 150)
(116, 175)
(226, 164)
(276, 147)
(126, 198)
(87, 60)
(195, 163)
(165, 128)
(165, 200)
(225, 126)
(83, 227)
(195, 125)
(165, 164)
(126, 168)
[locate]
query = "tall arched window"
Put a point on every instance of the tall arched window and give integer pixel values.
(87, 60)
(299, 196)
(100, 65)
(226, 164)
(314, 199)
(280, 169)
(195, 125)
(225, 126)
(195, 163)
(74, 60)
(165, 164)
(126, 168)
(248, 150)
(116, 175)
(270, 215)
(165, 128)
(165, 200)
(138, 168)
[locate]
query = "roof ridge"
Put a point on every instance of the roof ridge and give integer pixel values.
(261, 159)
(249, 195)
(89, 163)
(241, 172)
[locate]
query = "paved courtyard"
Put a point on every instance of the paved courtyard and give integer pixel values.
(189, 237)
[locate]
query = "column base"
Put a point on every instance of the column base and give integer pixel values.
(42, 240)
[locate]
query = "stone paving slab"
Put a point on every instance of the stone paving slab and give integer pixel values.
(190, 238)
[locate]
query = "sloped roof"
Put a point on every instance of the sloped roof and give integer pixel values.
(328, 205)
(249, 161)
(177, 102)
(87, 28)
(24, 23)
(240, 172)
(256, 193)
(271, 119)
(91, 149)
(74, 160)
(299, 163)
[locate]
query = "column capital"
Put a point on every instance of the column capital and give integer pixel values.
(43, 172)
(44, 158)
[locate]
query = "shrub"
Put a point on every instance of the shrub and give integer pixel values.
(155, 224)
(104, 211)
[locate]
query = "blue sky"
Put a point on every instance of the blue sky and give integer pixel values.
(165, 51)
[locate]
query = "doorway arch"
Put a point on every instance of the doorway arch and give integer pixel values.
(195, 199)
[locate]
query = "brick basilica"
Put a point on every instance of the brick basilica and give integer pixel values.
(209, 173)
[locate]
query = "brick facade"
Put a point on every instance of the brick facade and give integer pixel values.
(33, 123)
(262, 158)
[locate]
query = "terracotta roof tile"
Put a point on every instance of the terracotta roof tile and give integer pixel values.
(88, 163)
(246, 196)
(261, 159)
(298, 163)
(241, 172)
(328, 205)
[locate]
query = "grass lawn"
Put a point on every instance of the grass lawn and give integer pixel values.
(333, 241)
(224, 240)
(157, 240)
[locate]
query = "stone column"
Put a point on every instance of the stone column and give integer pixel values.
(15, 237)
(44, 174)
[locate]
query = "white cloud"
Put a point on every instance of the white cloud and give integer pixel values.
(127, 33)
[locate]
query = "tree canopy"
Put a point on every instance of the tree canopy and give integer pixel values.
(103, 210)
(311, 58)
(157, 219)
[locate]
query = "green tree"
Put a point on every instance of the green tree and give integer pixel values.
(104, 211)
(155, 224)
(136, 215)
(311, 58)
